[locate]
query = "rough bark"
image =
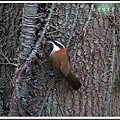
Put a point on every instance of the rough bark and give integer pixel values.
(24, 70)
(92, 41)
(114, 107)
(92, 59)
(10, 17)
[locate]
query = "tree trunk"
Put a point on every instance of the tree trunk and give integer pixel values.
(90, 33)
(10, 17)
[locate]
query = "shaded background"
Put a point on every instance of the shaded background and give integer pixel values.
(90, 33)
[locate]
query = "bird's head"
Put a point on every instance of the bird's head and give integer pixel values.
(56, 45)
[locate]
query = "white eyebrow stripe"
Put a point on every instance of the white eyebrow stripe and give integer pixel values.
(59, 43)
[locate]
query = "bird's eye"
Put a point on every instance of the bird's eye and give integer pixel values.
(60, 46)
(57, 44)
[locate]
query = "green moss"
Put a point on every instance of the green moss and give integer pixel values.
(116, 86)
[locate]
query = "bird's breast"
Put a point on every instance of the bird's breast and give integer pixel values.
(57, 58)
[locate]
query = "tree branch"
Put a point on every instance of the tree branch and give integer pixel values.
(112, 69)
(73, 26)
(33, 53)
(87, 22)
(9, 63)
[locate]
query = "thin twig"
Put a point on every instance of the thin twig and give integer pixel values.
(33, 53)
(9, 63)
(61, 110)
(105, 73)
(73, 25)
(89, 18)
(43, 103)
(112, 69)
(23, 67)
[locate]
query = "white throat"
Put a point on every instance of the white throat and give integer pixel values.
(55, 47)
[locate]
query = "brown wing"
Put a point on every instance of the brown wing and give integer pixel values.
(65, 66)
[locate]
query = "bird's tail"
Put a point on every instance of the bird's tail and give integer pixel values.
(73, 81)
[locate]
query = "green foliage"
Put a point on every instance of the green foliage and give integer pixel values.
(83, 21)
(116, 87)
(104, 7)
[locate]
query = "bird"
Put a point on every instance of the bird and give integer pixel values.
(61, 65)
